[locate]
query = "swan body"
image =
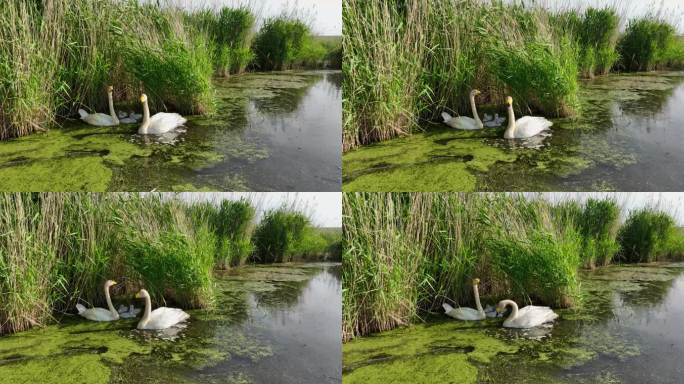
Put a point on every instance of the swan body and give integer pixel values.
(465, 313)
(100, 314)
(524, 127)
(159, 123)
(128, 312)
(526, 317)
(463, 122)
(101, 119)
(160, 318)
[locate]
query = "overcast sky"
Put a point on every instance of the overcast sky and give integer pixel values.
(324, 15)
(671, 202)
(672, 10)
(324, 208)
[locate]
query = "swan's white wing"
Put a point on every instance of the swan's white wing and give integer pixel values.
(164, 317)
(532, 316)
(464, 313)
(164, 122)
(462, 122)
(98, 314)
(529, 126)
(98, 119)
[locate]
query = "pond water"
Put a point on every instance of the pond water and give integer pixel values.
(628, 331)
(627, 138)
(276, 323)
(271, 132)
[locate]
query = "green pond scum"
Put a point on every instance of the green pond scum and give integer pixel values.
(219, 345)
(626, 126)
(229, 150)
(586, 344)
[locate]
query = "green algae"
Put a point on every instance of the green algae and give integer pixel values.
(435, 161)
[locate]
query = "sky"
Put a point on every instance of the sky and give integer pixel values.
(673, 10)
(325, 15)
(323, 208)
(671, 202)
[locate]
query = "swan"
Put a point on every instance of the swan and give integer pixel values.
(495, 121)
(100, 119)
(527, 317)
(160, 318)
(128, 118)
(526, 126)
(467, 313)
(128, 312)
(100, 314)
(159, 123)
(463, 122)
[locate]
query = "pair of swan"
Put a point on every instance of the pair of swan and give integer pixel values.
(525, 127)
(160, 318)
(527, 317)
(158, 124)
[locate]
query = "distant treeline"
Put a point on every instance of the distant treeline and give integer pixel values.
(407, 253)
(410, 60)
(58, 248)
(58, 56)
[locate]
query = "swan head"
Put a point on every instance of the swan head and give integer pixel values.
(143, 98)
(109, 283)
(476, 281)
(110, 89)
(509, 101)
(142, 294)
(475, 92)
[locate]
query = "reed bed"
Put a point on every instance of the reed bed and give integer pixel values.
(405, 254)
(57, 249)
(407, 61)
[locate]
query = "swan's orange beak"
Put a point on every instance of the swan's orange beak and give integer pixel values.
(476, 281)
(509, 101)
(110, 89)
(143, 98)
(138, 296)
(114, 282)
(477, 92)
(499, 309)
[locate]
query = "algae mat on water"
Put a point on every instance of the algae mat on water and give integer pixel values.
(588, 344)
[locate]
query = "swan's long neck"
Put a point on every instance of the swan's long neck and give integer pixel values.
(111, 108)
(478, 305)
(148, 309)
(146, 117)
(510, 130)
(110, 306)
(473, 107)
(514, 309)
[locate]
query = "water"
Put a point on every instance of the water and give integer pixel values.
(276, 323)
(629, 331)
(626, 139)
(271, 132)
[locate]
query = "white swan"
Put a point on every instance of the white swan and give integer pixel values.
(100, 314)
(464, 313)
(128, 312)
(525, 127)
(527, 317)
(159, 123)
(160, 318)
(100, 119)
(128, 118)
(462, 122)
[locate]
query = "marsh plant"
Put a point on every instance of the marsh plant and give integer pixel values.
(407, 61)
(57, 249)
(404, 254)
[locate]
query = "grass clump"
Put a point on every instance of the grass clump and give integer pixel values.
(598, 224)
(649, 44)
(278, 234)
(234, 225)
(279, 42)
(597, 36)
(644, 235)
